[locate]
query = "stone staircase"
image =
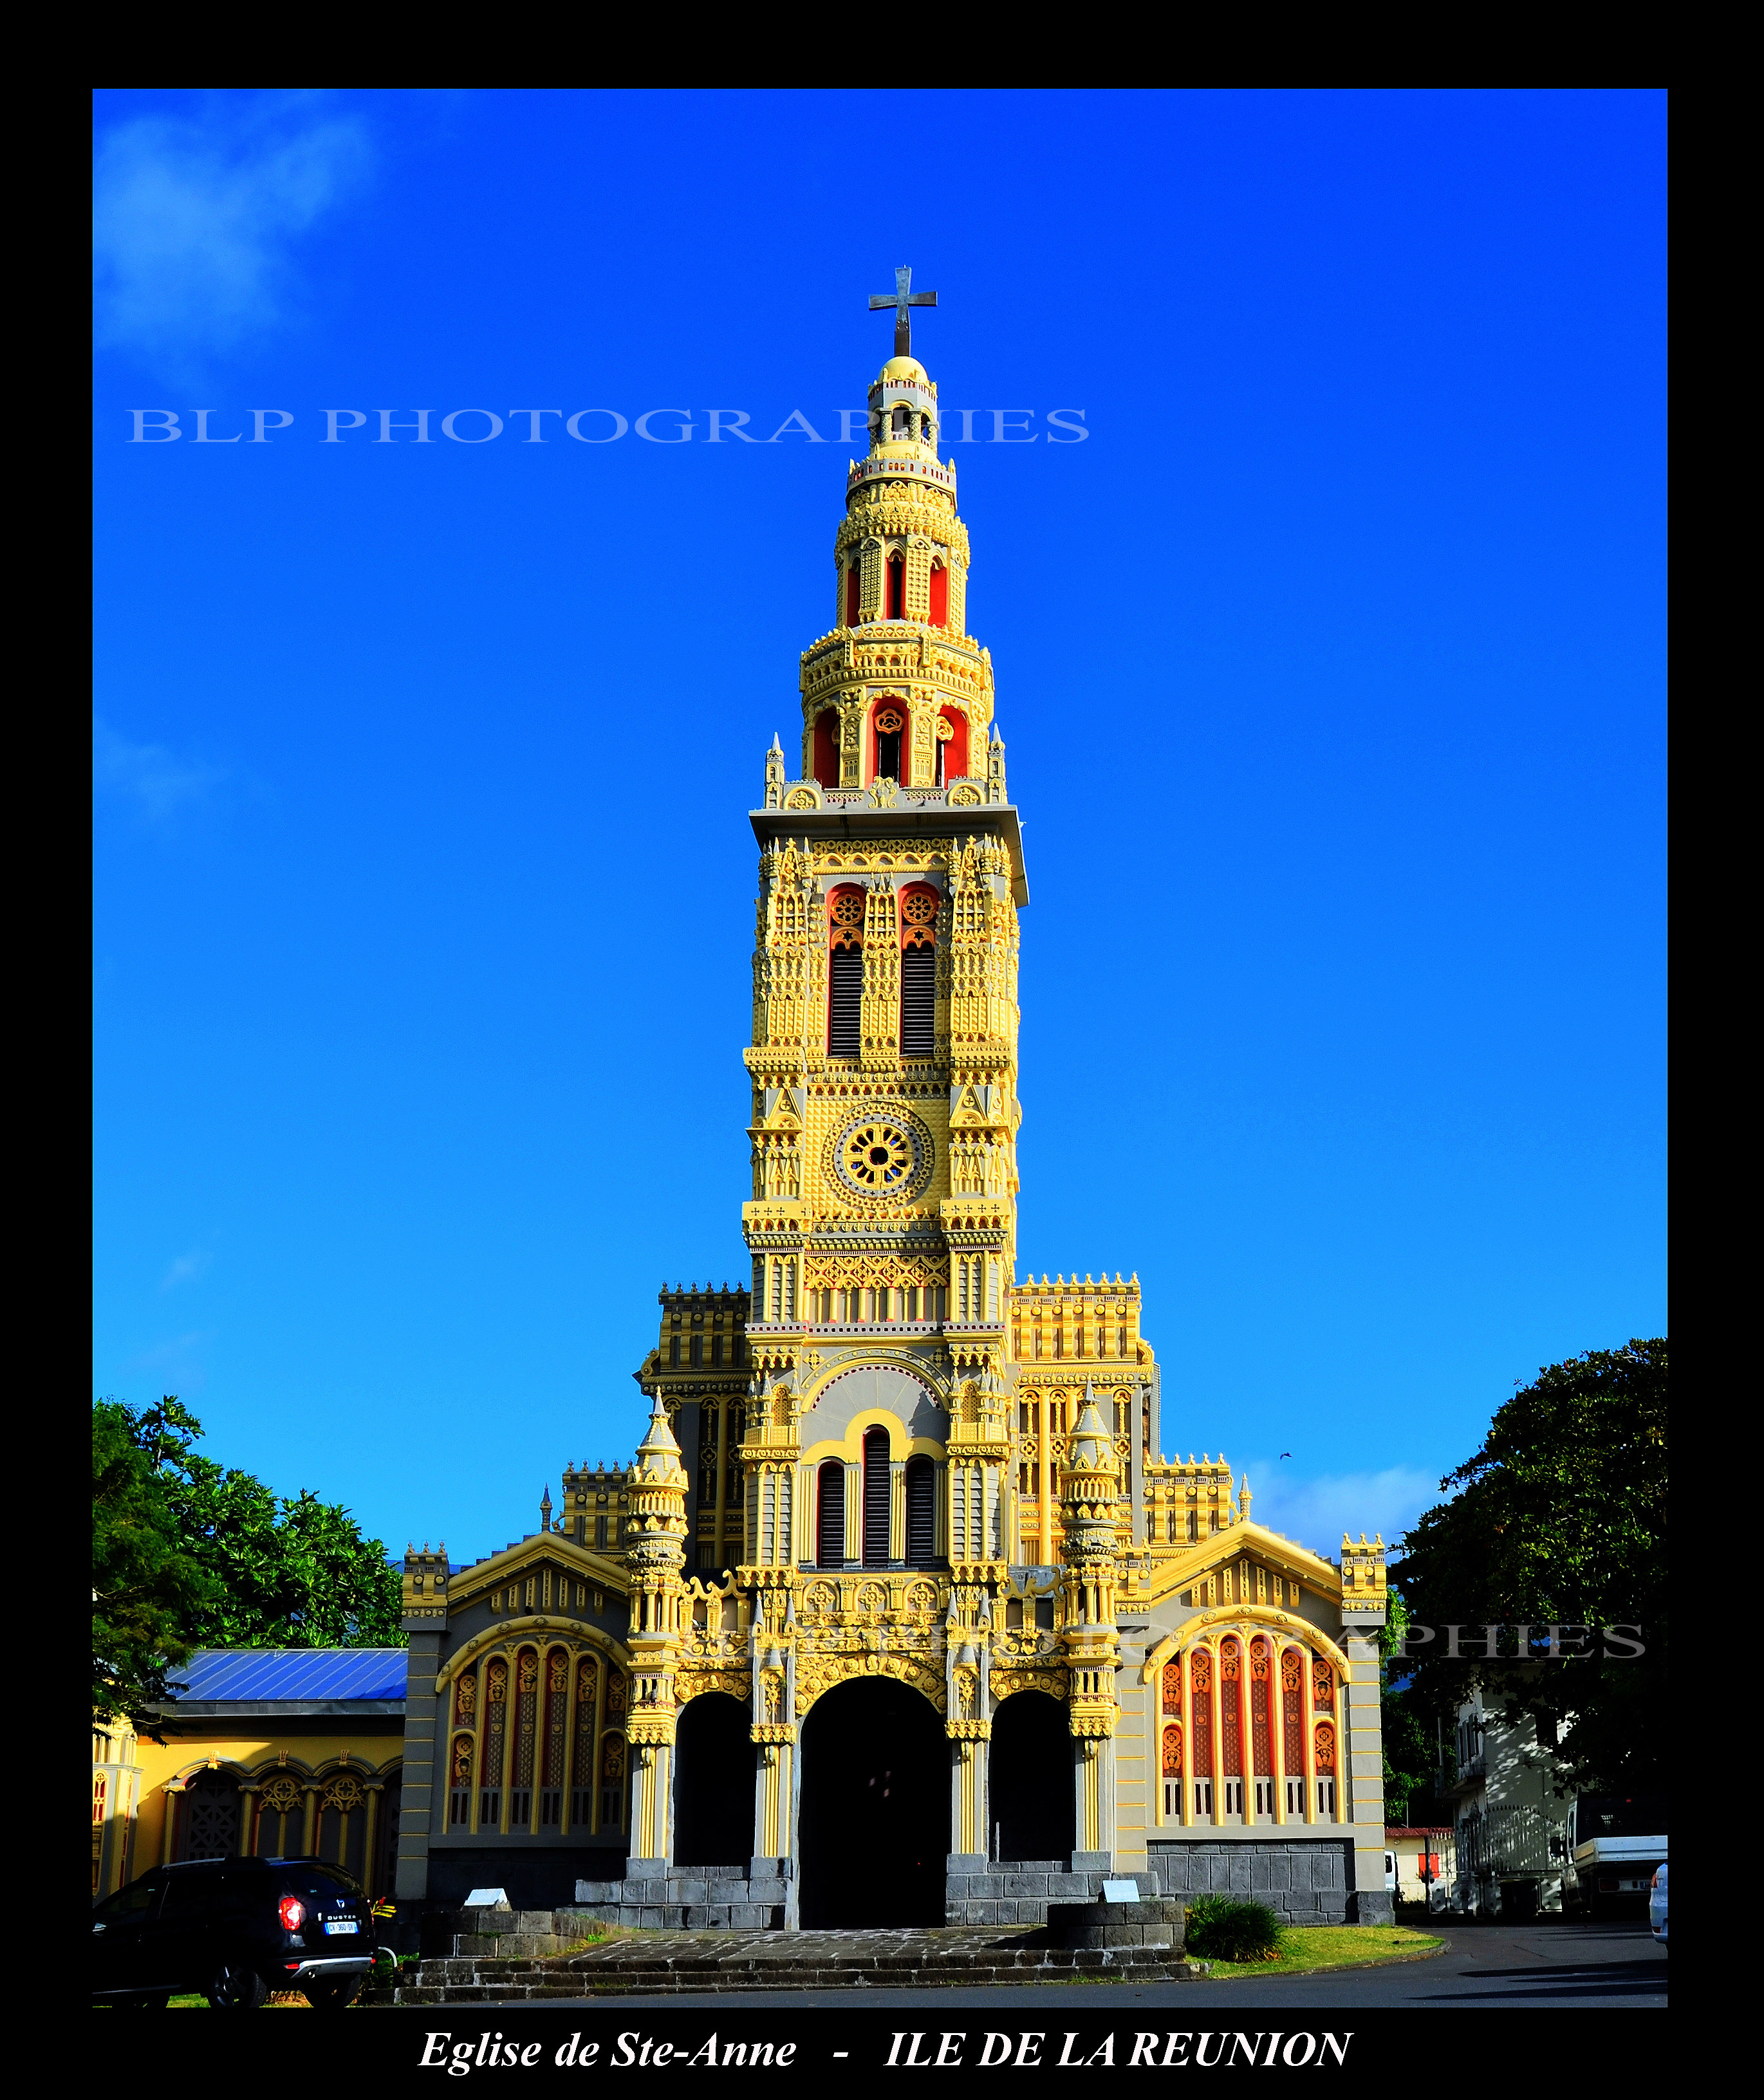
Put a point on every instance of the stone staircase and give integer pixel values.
(523, 1959)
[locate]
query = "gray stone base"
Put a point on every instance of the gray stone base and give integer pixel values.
(1373, 1906)
(681, 1898)
(982, 1891)
(1154, 1923)
(1305, 1882)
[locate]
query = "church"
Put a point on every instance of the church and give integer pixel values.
(899, 1615)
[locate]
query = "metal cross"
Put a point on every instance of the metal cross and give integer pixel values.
(902, 297)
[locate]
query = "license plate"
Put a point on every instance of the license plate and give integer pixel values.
(341, 1924)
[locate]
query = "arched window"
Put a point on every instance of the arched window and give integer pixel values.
(952, 745)
(1172, 1687)
(826, 747)
(556, 1717)
(1231, 1725)
(939, 607)
(918, 974)
(495, 1734)
(281, 1813)
(829, 1514)
(582, 1794)
(459, 1784)
(1323, 1685)
(890, 722)
(527, 1719)
(897, 587)
(208, 1824)
(343, 1823)
(845, 973)
(854, 589)
(1200, 1696)
(921, 1513)
(1261, 1716)
(878, 1482)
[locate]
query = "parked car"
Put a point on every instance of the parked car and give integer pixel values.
(1656, 1905)
(234, 1929)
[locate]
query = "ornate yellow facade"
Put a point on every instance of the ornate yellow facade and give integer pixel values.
(888, 1462)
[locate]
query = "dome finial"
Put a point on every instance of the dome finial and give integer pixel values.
(901, 298)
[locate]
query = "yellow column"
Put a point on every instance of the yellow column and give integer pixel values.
(309, 1828)
(168, 1835)
(1042, 1442)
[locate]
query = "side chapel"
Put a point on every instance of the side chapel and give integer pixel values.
(899, 1614)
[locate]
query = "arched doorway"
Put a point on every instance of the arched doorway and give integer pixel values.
(874, 1821)
(714, 1783)
(1030, 1779)
(208, 1817)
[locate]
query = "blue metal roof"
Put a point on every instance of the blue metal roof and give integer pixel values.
(261, 1676)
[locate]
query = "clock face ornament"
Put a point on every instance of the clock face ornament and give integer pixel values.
(882, 1155)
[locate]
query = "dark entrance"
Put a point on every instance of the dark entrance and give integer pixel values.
(1031, 1779)
(874, 1828)
(714, 1783)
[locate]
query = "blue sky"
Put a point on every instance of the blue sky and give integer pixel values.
(1330, 665)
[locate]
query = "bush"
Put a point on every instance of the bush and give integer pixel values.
(1219, 1930)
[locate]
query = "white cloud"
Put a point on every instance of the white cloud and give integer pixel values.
(195, 219)
(185, 1270)
(1316, 1509)
(154, 782)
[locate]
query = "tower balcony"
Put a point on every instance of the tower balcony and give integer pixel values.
(885, 810)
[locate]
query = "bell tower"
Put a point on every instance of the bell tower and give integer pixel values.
(884, 1053)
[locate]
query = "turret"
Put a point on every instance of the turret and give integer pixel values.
(1090, 1486)
(655, 1554)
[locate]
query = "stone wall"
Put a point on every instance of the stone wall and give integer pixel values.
(1308, 1881)
(682, 1899)
(982, 1891)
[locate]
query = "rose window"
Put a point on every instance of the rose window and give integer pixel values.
(878, 1157)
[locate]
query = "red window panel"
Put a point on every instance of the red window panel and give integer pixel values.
(1230, 1723)
(939, 597)
(853, 582)
(1200, 1691)
(1260, 1717)
(1173, 1751)
(897, 587)
(1325, 1747)
(1172, 1687)
(827, 747)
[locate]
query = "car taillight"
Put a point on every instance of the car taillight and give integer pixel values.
(292, 1913)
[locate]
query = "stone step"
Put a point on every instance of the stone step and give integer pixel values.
(630, 1969)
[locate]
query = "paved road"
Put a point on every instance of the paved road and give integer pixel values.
(1550, 1964)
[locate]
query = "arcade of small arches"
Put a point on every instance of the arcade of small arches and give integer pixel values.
(886, 746)
(343, 1810)
(536, 1744)
(857, 921)
(1249, 1731)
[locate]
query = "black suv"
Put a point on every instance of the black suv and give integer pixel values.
(235, 1929)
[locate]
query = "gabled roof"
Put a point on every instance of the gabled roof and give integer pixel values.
(311, 1680)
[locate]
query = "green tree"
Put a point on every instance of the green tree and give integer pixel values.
(149, 1591)
(1559, 1520)
(188, 1554)
(286, 1573)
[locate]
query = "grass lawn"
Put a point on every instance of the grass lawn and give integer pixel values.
(1305, 1947)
